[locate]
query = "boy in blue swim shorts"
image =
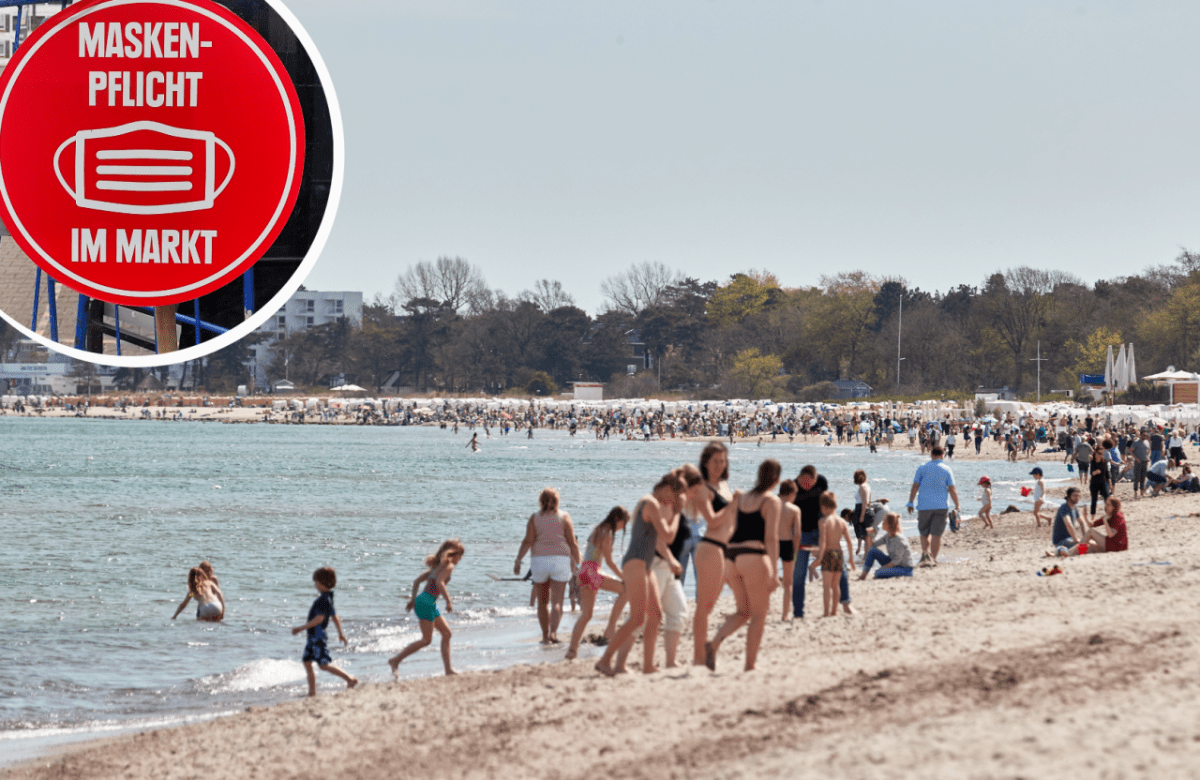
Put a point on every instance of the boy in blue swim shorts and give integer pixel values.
(315, 650)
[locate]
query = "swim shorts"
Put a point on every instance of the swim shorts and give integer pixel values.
(787, 550)
(316, 651)
(426, 607)
(590, 576)
(551, 567)
(833, 560)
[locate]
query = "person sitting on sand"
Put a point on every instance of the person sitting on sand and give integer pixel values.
(1185, 483)
(1107, 534)
(210, 602)
(591, 579)
(1063, 529)
(436, 577)
(897, 561)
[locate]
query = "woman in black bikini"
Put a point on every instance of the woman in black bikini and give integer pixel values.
(718, 511)
(754, 553)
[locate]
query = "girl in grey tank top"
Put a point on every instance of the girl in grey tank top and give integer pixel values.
(642, 540)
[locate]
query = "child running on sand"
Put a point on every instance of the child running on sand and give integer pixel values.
(985, 511)
(1039, 493)
(829, 557)
(441, 565)
(315, 650)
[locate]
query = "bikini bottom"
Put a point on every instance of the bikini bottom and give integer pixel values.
(732, 553)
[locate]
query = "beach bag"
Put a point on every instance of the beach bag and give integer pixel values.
(954, 520)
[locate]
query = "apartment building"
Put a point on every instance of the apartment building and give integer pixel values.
(305, 309)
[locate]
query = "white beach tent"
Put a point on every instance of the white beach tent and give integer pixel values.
(1122, 371)
(1172, 376)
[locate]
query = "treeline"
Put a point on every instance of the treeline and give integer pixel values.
(446, 331)
(747, 336)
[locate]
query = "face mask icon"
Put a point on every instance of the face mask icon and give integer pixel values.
(145, 168)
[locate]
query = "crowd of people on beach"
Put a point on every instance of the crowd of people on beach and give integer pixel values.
(778, 535)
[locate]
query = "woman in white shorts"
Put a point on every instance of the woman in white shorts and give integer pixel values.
(551, 537)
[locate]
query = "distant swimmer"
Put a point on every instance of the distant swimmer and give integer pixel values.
(474, 442)
(210, 603)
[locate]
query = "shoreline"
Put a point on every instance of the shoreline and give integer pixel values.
(975, 668)
(991, 450)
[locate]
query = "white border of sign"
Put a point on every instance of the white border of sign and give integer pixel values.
(310, 259)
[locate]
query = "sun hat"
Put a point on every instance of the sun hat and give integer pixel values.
(1036, 470)
(984, 480)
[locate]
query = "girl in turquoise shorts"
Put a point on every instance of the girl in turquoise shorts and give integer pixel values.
(441, 564)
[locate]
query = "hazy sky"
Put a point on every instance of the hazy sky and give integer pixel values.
(938, 141)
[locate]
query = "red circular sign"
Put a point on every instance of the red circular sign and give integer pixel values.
(150, 150)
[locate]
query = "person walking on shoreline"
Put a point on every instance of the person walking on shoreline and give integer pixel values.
(550, 536)
(933, 482)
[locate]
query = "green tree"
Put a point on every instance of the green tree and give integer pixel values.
(1092, 355)
(752, 374)
(1172, 331)
(841, 321)
(540, 384)
(743, 296)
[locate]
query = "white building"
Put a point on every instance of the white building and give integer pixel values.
(31, 17)
(305, 309)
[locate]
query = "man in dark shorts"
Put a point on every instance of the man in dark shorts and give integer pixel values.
(810, 485)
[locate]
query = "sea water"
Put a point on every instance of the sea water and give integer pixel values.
(103, 519)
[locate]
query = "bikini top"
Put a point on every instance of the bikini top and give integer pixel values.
(751, 527)
(591, 552)
(718, 500)
(431, 586)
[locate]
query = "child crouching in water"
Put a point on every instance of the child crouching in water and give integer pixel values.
(441, 565)
(316, 651)
(829, 557)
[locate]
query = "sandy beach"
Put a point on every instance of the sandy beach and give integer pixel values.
(976, 668)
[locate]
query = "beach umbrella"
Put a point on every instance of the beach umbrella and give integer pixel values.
(1131, 368)
(1122, 369)
(1109, 379)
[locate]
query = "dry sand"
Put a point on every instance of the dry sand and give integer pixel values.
(975, 669)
